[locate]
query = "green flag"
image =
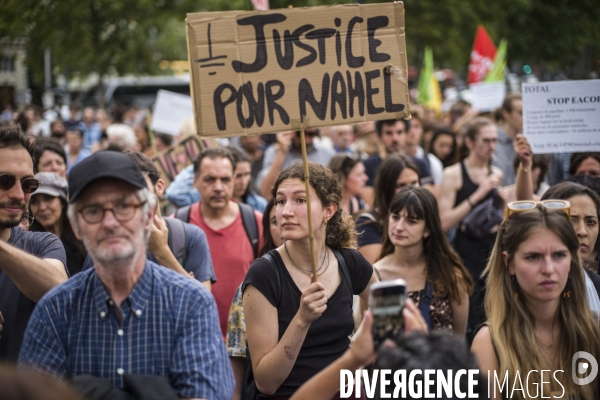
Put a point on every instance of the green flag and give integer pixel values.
(496, 73)
(425, 76)
(429, 88)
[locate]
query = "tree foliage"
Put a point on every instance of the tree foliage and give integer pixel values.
(132, 36)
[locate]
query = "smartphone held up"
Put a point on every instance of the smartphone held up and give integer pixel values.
(386, 301)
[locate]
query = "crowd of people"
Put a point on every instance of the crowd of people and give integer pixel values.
(111, 277)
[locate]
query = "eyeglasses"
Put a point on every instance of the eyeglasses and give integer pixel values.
(526, 205)
(123, 212)
(487, 142)
(29, 184)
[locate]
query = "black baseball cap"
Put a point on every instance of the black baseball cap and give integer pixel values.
(104, 164)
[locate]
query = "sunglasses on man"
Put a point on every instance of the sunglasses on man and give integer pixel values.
(29, 184)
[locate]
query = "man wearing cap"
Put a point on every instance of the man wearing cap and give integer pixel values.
(165, 241)
(127, 315)
(31, 263)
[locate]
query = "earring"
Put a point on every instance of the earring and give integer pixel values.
(324, 222)
(567, 293)
(516, 296)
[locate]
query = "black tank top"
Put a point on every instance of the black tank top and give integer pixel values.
(467, 188)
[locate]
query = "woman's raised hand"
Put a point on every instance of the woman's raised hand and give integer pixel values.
(523, 150)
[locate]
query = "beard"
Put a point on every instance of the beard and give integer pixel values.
(393, 147)
(8, 223)
(115, 257)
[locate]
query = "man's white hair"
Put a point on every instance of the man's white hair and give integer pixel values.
(121, 135)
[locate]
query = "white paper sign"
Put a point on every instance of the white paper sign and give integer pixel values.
(562, 116)
(487, 96)
(170, 110)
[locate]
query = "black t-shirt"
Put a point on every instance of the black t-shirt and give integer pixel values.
(14, 305)
(372, 166)
(328, 337)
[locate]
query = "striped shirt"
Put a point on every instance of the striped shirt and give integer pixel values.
(170, 327)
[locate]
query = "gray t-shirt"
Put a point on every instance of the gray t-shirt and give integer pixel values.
(14, 305)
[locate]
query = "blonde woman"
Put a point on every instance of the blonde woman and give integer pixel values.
(536, 305)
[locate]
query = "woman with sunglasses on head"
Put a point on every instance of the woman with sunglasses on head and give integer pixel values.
(350, 172)
(584, 212)
(295, 325)
(48, 210)
(415, 249)
(396, 172)
(536, 306)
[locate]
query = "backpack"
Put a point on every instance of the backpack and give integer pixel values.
(177, 239)
(250, 385)
(248, 219)
(483, 217)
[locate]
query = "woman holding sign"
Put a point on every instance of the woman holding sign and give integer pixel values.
(295, 325)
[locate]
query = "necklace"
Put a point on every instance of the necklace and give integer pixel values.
(551, 345)
(548, 346)
(307, 272)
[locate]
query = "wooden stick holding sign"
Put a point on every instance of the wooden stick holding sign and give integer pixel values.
(249, 71)
(311, 235)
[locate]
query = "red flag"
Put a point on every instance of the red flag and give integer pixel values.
(482, 56)
(261, 5)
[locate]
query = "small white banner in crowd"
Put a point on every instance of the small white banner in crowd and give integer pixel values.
(487, 96)
(170, 110)
(562, 116)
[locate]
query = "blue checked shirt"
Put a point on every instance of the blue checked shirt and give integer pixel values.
(170, 327)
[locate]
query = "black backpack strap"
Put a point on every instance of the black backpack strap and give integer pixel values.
(344, 266)
(183, 213)
(250, 225)
(273, 264)
(177, 239)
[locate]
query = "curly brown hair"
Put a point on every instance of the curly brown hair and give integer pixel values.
(341, 231)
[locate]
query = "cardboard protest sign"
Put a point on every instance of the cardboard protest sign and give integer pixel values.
(173, 159)
(259, 71)
(562, 116)
(170, 110)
